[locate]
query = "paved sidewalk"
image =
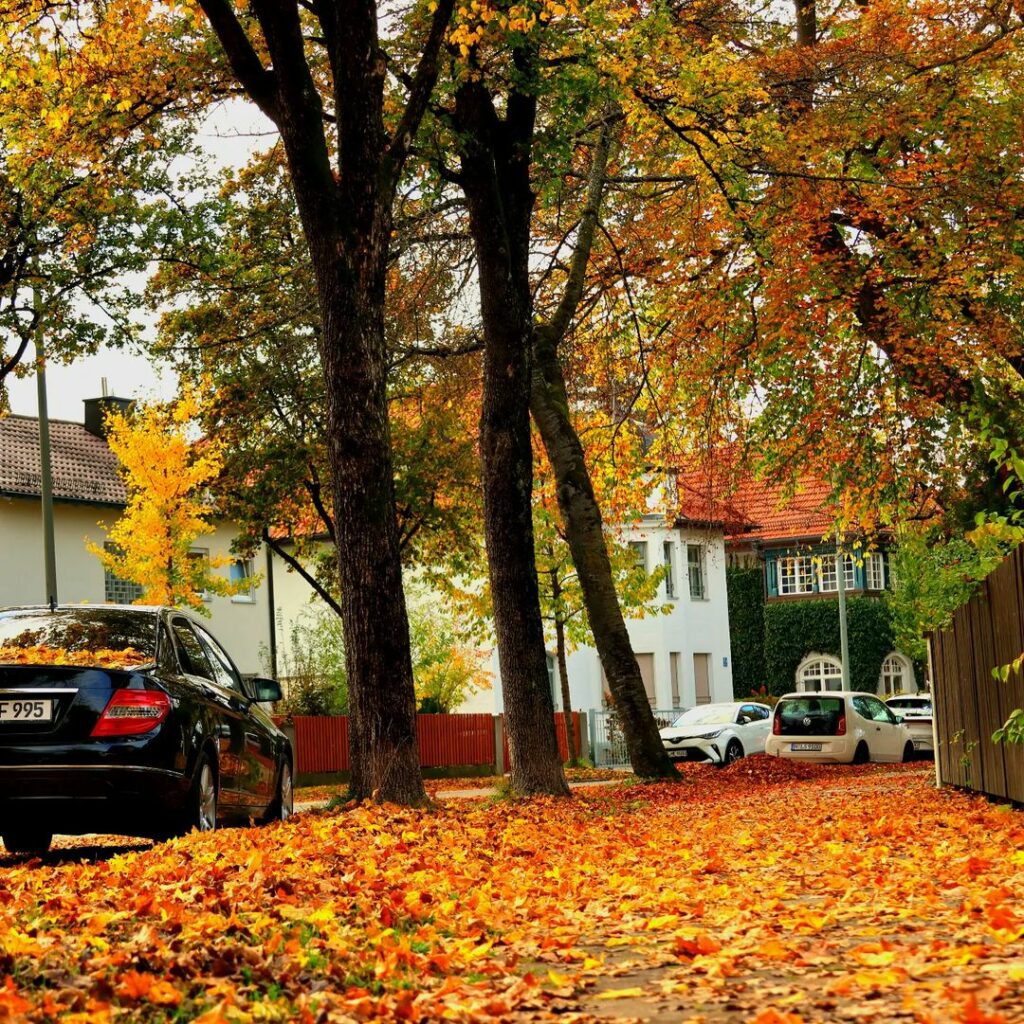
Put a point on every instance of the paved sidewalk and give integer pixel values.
(472, 794)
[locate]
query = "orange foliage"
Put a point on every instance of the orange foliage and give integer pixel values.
(767, 891)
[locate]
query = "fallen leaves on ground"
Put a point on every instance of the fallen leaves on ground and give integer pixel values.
(766, 892)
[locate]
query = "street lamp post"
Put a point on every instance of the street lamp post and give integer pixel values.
(45, 468)
(844, 640)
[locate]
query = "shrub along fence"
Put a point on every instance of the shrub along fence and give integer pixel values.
(970, 704)
(470, 744)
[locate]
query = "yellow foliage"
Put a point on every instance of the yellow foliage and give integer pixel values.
(166, 472)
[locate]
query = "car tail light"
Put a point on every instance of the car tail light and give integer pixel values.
(841, 726)
(132, 712)
(776, 724)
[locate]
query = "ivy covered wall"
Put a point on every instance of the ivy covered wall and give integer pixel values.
(746, 629)
(794, 629)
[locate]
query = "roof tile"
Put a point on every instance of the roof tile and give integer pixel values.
(84, 468)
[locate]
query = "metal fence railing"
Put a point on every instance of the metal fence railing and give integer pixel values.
(607, 743)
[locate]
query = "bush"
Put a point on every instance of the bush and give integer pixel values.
(313, 669)
(745, 589)
(794, 629)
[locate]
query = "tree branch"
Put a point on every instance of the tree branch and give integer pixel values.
(295, 564)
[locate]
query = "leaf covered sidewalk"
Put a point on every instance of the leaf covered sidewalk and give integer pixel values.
(767, 892)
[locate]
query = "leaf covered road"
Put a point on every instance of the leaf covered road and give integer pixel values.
(767, 891)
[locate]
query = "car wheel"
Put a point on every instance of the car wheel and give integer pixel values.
(733, 752)
(283, 804)
(27, 841)
(201, 813)
(908, 752)
(861, 755)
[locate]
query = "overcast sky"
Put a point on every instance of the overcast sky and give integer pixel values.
(232, 132)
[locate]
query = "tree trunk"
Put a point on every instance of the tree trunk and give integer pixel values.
(585, 536)
(563, 670)
(346, 213)
(495, 160)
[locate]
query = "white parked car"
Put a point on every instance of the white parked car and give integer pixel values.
(719, 733)
(832, 725)
(916, 710)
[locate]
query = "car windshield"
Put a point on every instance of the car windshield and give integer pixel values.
(710, 714)
(93, 637)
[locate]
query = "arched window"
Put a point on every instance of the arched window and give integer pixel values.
(897, 676)
(819, 672)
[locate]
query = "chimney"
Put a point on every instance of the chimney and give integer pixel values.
(96, 410)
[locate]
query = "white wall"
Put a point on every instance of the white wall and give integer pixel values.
(693, 626)
(242, 626)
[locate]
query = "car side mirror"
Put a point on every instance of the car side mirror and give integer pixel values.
(899, 719)
(264, 691)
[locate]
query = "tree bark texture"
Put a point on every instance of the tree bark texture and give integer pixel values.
(494, 175)
(347, 221)
(585, 535)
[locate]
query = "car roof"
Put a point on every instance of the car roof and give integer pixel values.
(828, 693)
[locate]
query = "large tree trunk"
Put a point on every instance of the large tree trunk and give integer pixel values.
(346, 213)
(585, 536)
(495, 161)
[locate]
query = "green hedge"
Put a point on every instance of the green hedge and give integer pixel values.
(794, 629)
(746, 629)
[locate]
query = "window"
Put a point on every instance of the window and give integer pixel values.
(639, 549)
(203, 555)
(897, 676)
(191, 653)
(796, 575)
(822, 673)
(828, 582)
(874, 570)
(670, 569)
(242, 571)
(695, 571)
(115, 589)
(873, 709)
(223, 670)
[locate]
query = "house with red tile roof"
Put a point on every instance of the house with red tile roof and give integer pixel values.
(787, 535)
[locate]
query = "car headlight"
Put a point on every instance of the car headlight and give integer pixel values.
(709, 735)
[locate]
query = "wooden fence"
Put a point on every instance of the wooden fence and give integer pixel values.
(455, 741)
(970, 704)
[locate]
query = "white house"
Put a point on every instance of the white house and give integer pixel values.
(684, 655)
(88, 498)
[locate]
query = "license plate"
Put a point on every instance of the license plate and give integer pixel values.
(29, 710)
(805, 746)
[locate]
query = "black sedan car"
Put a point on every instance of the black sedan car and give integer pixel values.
(130, 720)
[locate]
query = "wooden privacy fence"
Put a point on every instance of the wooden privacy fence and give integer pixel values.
(321, 743)
(970, 704)
(560, 735)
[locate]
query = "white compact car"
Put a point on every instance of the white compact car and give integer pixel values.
(719, 733)
(916, 710)
(843, 726)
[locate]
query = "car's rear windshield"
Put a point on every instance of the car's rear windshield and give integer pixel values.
(912, 704)
(809, 716)
(93, 637)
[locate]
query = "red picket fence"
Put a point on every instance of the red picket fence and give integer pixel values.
(321, 743)
(449, 740)
(563, 746)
